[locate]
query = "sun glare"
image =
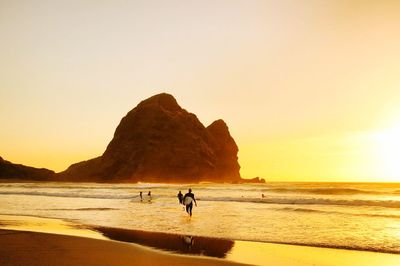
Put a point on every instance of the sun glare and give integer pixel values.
(388, 152)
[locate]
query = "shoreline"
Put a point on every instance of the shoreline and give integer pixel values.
(110, 233)
(75, 238)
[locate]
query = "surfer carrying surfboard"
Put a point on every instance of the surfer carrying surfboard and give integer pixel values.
(188, 201)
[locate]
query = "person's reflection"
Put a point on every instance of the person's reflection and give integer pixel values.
(188, 241)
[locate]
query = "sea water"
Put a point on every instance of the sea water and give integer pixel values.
(360, 216)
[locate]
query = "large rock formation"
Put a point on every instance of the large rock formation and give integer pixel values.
(11, 171)
(158, 141)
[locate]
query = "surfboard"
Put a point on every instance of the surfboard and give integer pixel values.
(187, 201)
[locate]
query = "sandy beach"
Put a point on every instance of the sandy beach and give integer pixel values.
(41, 241)
(33, 248)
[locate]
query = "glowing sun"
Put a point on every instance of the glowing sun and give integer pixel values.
(388, 152)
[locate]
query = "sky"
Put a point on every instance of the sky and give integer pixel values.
(310, 89)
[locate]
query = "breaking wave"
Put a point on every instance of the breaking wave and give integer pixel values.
(69, 195)
(290, 200)
(327, 191)
(337, 212)
(311, 201)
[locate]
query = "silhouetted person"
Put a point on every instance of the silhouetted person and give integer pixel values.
(188, 241)
(189, 206)
(140, 194)
(180, 197)
(262, 195)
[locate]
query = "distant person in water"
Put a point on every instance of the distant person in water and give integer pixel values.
(180, 197)
(188, 201)
(140, 195)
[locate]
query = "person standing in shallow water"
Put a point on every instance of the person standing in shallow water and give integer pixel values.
(180, 197)
(189, 205)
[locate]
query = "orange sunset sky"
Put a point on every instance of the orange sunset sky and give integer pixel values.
(310, 89)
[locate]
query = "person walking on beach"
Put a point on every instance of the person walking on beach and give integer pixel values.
(180, 197)
(188, 201)
(140, 195)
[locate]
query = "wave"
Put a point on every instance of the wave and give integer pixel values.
(336, 212)
(302, 190)
(84, 209)
(79, 194)
(267, 200)
(68, 195)
(326, 191)
(310, 201)
(311, 189)
(89, 187)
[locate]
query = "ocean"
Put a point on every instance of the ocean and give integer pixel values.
(359, 216)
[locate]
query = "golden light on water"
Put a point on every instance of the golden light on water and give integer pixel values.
(46, 225)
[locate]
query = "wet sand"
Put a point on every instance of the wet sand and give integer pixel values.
(33, 248)
(22, 242)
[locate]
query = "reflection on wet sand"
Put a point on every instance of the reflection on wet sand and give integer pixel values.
(47, 225)
(183, 244)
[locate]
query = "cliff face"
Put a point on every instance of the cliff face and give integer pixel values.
(158, 141)
(9, 170)
(226, 150)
